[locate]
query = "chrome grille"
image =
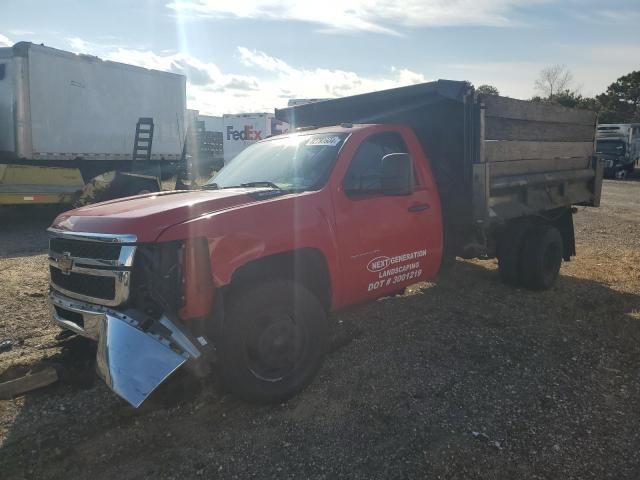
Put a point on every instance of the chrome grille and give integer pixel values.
(103, 288)
(95, 268)
(83, 248)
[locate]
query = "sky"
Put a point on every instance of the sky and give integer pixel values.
(250, 56)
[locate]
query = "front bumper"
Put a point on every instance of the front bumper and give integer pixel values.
(133, 362)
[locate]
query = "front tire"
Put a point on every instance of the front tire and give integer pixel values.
(274, 339)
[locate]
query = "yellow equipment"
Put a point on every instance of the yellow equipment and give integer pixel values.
(27, 184)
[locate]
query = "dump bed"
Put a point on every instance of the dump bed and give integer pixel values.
(494, 158)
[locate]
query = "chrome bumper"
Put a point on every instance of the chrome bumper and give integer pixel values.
(132, 362)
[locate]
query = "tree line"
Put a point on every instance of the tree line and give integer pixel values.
(620, 103)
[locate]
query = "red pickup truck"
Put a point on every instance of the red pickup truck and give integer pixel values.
(243, 272)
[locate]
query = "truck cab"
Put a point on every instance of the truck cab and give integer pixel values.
(340, 215)
(618, 145)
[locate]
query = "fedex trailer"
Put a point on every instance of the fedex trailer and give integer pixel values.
(241, 130)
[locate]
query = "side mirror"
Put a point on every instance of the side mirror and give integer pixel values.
(397, 174)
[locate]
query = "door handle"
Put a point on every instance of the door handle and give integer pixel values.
(419, 207)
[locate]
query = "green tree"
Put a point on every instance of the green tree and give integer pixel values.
(621, 102)
(487, 90)
(572, 99)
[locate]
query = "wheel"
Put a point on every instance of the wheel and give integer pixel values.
(509, 253)
(621, 175)
(273, 341)
(541, 257)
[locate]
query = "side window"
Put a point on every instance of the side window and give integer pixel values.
(364, 174)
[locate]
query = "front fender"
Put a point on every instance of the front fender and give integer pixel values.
(249, 232)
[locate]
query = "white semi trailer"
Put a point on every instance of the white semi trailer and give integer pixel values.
(66, 117)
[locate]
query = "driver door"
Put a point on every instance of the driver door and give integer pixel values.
(386, 242)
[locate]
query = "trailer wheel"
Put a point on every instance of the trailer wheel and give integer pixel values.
(542, 257)
(273, 341)
(509, 253)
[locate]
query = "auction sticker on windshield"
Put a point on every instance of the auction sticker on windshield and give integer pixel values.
(325, 141)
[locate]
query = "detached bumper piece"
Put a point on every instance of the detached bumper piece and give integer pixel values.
(132, 362)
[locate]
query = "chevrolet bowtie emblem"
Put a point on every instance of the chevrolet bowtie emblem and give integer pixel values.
(65, 263)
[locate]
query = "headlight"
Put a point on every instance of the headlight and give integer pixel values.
(609, 163)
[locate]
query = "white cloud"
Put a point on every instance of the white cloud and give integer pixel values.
(262, 60)
(79, 45)
(593, 67)
(290, 82)
(512, 79)
(603, 64)
(5, 42)
(609, 18)
(196, 71)
(19, 32)
(268, 82)
(270, 85)
(381, 16)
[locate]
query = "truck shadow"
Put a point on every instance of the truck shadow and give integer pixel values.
(440, 344)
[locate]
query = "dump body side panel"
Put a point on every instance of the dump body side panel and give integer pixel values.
(535, 157)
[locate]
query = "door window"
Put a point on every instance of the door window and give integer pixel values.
(365, 172)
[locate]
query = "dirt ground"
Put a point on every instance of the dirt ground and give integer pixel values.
(465, 378)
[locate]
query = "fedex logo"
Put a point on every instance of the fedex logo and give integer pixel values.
(247, 134)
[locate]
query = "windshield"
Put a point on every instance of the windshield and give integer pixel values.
(296, 162)
(611, 148)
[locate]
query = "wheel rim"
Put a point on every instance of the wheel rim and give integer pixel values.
(274, 346)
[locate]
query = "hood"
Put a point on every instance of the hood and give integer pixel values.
(147, 216)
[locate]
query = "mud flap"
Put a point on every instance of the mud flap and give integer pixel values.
(131, 362)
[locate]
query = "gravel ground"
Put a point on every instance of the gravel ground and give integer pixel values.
(465, 378)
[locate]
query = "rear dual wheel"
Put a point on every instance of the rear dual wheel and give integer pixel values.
(530, 255)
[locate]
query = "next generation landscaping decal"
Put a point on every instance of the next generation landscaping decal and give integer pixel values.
(394, 270)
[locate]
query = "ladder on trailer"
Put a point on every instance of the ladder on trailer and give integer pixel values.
(142, 144)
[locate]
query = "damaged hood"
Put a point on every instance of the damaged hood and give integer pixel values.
(147, 216)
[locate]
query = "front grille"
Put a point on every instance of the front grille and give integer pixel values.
(87, 285)
(95, 268)
(85, 249)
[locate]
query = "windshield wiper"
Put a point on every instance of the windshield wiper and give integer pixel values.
(261, 184)
(210, 186)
